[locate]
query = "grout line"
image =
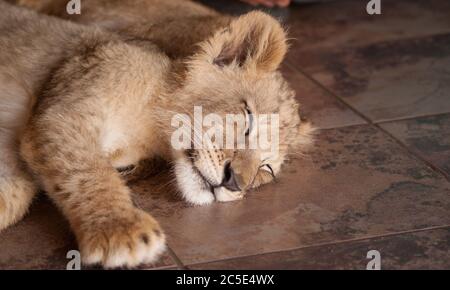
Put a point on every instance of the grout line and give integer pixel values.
(356, 46)
(414, 154)
(341, 127)
(393, 120)
(177, 260)
(337, 126)
(343, 102)
(362, 239)
(371, 123)
(162, 268)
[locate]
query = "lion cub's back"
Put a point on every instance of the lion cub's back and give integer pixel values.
(31, 45)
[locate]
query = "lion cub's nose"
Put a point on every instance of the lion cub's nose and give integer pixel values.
(229, 178)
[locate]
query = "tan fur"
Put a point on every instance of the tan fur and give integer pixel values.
(180, 22)
(105, 101)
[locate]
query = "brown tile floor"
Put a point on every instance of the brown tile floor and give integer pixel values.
(419, 250)
(377, 179)
(428, 137)
(388, 80)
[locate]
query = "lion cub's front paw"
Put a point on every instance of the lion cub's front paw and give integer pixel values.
(125, 241)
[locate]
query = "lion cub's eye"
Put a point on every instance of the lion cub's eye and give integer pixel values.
(249, 115)
(268, 168)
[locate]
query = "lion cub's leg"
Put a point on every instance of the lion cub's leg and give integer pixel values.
(16, 186)
(65, 154)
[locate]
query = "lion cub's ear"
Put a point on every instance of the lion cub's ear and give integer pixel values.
(252, 41)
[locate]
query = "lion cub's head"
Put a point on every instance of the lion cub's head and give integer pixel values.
(234, 77)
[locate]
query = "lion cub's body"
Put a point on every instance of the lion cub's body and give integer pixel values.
(176, 26)
(91, 91)
(77, 103)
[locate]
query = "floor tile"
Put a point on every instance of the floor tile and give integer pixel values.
(339, 24)
(418, 251)
(429, 137)
(389, 80)
(388, 66)
(42, 240)
(355, 183)
(318, 106)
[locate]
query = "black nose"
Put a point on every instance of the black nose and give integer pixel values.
(229, 178)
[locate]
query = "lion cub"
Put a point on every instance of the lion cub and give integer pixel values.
(78, 103)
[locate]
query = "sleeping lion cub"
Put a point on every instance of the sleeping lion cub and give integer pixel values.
(80, 104)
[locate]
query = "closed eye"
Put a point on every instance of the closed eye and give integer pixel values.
(269, 169)
(250, 121)
(265, 174)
